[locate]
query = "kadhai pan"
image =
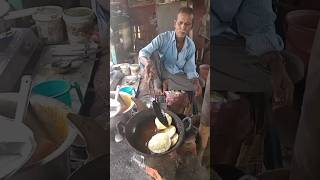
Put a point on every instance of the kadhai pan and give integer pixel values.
(139, 129)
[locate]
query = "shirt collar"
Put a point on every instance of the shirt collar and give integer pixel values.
(174, 40)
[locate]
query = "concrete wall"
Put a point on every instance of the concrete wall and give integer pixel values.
(166, 14)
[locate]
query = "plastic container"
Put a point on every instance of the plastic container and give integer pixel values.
(134, 69)
(49, 24)
(129, 103)
(125, 69)
(79, 22)
(58, 89)
(115, 108)
(128, 89)
(50, 160)
(302, 25)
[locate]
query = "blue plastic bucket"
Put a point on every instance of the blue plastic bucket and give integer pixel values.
(58, 89)
(128, 89)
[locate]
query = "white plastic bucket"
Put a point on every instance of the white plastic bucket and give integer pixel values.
(49, 24)
(79, 22)
(125, 69)
(134, 68)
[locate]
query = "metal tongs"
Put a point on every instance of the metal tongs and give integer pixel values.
(156, 106)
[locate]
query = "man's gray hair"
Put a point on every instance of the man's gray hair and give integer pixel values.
(186, 10)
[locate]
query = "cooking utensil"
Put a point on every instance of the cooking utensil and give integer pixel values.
(159, 114)
(24, 94)
(139, 129)
(156, 105)
(151, 87)
(58, 89)
(62, 66)
(51, 165)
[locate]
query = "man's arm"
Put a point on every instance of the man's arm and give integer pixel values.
(282, 85)
(197, 87)
(144, 61)
(146, 52)
(190, 65)
(190, 70)
(147, 64)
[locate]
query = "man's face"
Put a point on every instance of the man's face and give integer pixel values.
(183, 24)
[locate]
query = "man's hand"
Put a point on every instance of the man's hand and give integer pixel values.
(282, 85)
(197, 87)
(283, 89)
(176, 98)
(165, 85)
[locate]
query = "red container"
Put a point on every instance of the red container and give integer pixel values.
(302, 25)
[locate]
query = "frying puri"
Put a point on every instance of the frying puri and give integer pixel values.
(159, 125)
(174, 139)
(171, 130)
(159, 143)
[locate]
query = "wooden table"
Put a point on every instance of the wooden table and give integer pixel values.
(82, 76)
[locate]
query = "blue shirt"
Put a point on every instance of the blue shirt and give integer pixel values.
(174, 62)
(250, 19)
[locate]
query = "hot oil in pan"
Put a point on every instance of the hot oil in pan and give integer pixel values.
(143, 134)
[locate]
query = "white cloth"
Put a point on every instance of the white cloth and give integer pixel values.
(16, 146)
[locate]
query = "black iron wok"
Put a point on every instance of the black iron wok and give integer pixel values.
(139, 129)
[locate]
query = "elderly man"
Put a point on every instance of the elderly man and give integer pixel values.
(248, 56)
(248, 53)
(169, 59)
